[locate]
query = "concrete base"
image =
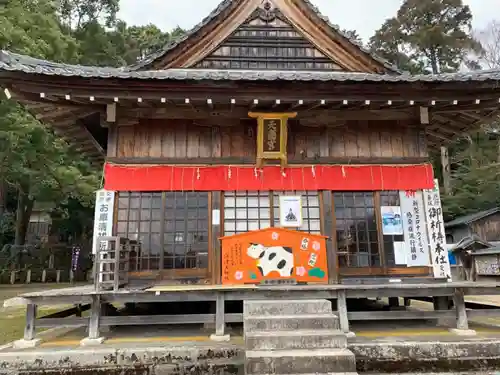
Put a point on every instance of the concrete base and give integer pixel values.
(463, 332)
(26, 344)
(217, 338)
(92, 342)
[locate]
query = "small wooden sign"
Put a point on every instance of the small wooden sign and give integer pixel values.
(272, 134)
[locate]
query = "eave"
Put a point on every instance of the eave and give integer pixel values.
(457, 103)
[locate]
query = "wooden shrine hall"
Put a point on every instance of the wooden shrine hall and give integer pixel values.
(263, 147)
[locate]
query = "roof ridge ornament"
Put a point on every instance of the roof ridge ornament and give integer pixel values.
(267, 10)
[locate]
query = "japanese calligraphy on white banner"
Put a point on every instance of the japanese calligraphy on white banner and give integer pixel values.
(413, 214)
(103, 216)
(435, 230)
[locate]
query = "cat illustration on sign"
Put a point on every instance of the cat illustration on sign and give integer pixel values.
(273, 258)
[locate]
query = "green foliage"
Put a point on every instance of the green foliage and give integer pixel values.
(431, 36)
(36, 165)
(475, 179)
(31, 27)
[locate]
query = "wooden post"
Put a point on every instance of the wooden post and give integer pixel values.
(58, 276)
(380, 232)
(95, 317)
(440, 303)
(71, 276)
(29, 328)
(44, 275)
(220, 324)
(13, 277)
(445, 164)
(342, 311)
(215, 234)
(28, 277)
(326, 213)
(458, 298)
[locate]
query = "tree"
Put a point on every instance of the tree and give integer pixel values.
(31, 27)
(34, 163)
(433, 36)
(75, 14)
(489, 37)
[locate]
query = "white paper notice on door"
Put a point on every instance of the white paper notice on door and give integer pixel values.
(400, 253)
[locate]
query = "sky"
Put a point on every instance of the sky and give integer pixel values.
(364, 16)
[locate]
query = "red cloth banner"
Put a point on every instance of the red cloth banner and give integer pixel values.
(240, 178)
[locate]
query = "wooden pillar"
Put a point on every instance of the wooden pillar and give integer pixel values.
(29, 328)
(393, 302)
(95, 317)
(380, 232)
(342, 312)
(28, 276)
(215, 219)
(440, 303)
(445, 164)
(458, 298)
(328, 229)
(220, 323)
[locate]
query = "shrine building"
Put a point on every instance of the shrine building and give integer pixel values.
(263, 116)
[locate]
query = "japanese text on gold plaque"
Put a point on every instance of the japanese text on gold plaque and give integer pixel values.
(272, 134)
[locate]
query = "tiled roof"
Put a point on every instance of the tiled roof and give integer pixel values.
(222, 7)
(19, 63)
(467, 219)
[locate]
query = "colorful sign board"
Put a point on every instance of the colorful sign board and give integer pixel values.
(103, 216)
(436, 233)
(274, 254)
(413, 214)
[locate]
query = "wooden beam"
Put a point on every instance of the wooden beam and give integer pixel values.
(437, 135)
(218, 160)
(111, 112)
(242, 113)
(424, 115)
(266, 91)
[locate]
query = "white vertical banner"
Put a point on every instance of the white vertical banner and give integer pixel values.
(413, 215)
(436, 233)
(103, 216)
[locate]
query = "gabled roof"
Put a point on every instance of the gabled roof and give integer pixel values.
(221, 14)
(468, 219)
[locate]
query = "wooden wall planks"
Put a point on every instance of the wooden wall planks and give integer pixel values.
(184, 139)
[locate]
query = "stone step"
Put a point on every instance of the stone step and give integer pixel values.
(286, 307)
(317, 361)
(290, 322)
(300, 339)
